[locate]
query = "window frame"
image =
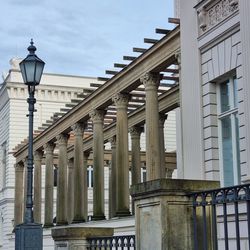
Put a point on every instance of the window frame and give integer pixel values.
(232, 113)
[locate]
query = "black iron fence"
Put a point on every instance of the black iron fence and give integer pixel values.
(125, 242)
(221, 218)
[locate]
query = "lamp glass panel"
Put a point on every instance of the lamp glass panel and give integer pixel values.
(39, 71)
(30, 71)
(22, 67)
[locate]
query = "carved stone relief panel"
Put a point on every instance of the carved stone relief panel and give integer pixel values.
(211, 13)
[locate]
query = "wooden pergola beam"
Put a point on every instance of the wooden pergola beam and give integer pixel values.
(161, 31)
(129, 58)
(111, 72)
(139, 50)
(150, 40)
(120, 65)
(174, 20)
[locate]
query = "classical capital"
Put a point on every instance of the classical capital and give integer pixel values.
(19, 166)
(151, 79)
(25, 161)
(135, 131)
(121, 100)
(78, 128)
(86, 154)
(62, 139)
(162, 118)
(178, 57)
(113, 141)
(38, 155)
(49, 147)
(71, 163)
(97, 116)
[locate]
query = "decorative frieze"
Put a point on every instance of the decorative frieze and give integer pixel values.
(210, 14)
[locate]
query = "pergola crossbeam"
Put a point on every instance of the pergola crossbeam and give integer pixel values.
(139, 50)
(120, 65)
(150, 40)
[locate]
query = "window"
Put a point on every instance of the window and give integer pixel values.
(90, 176)
(228, 128)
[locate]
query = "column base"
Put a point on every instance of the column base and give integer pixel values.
(122, 213)
(98, 217)
(62, 223)
(78, 220)
(48, 225)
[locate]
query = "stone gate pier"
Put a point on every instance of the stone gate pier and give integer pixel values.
(163, 213)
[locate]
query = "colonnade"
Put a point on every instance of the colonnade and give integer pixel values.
(72, 200)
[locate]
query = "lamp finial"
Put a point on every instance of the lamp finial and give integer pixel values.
(32, 48)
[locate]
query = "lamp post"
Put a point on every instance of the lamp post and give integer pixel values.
(29, 235)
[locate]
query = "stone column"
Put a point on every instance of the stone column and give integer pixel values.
(49, 184)
(113, 180)
(97, 117)
(135, 133)
(85, 186)
(62, 202)
(70, 190)
(162, 118)
(122, 160)
(79, 181)
(38, 156)
(19, 193)
(245, 44)
(153, 160)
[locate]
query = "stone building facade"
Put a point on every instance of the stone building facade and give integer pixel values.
(214, 91)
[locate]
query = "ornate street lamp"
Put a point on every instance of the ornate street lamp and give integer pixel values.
(29, 235)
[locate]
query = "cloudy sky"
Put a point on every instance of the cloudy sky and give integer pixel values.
(79, 37)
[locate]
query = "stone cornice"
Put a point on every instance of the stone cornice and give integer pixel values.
(46, 87)
(156, 58)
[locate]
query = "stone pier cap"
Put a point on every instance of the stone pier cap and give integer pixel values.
(170, 187)
(80, 233)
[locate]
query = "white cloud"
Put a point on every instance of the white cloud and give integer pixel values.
(78, 37)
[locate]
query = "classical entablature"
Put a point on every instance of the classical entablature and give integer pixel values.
(141, 93)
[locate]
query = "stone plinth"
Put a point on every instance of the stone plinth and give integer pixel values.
(71, 238)
(163, 213)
